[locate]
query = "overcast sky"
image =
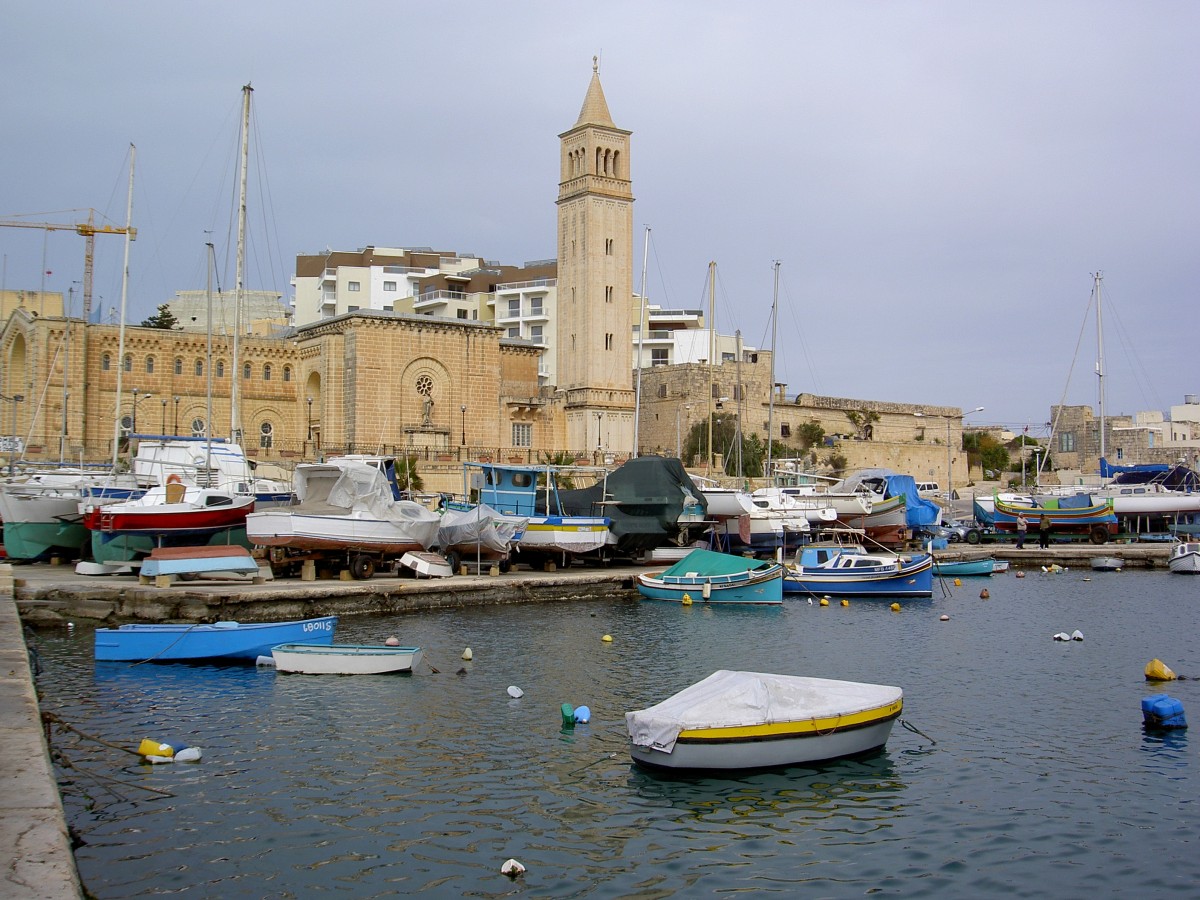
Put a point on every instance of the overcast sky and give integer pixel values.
(939, 180)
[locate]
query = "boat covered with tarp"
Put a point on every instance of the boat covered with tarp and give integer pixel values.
(711, 577)
(755, 720)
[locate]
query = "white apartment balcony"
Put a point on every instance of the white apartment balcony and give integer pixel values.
(537, 283)
(655, 338)
(432, 300)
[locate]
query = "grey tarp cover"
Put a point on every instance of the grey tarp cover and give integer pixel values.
(727, 699)
(481, 525)
(645, 497)
(358, 487)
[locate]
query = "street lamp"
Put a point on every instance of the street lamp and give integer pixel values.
(176, 415)
(599, 416)
(464, 424)
(163, 424)
(309, 438)
(678, 443)
(133, 420)
(12, 447)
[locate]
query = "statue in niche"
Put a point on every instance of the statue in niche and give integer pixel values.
(427, 412)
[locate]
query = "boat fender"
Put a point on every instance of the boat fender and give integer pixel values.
(511, 868)
(607, 639)
(945, 618)
(515, 692)
(1162, 711)
(1157, 670)
(1077, 635)
(266, 662)
(983, 595)
(824, 601)
(568, 715)
(583, 715)
(467, 654)
(706, 590)
(895, 607)
(155, 748)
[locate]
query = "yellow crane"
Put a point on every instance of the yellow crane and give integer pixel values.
(89, 230)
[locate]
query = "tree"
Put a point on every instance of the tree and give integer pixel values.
(164, 319)
(810, 434)
(989, 453)
(836, 462)
(863, 422)
(407, 475)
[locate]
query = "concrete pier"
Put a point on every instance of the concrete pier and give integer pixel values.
(38, 862)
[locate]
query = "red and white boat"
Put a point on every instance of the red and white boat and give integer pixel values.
(172, 509)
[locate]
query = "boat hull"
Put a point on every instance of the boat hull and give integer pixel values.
(757, 587)
(345, 659)
(913, 579)
(300, 531)
(768, 752)
(1185, 560)
(965, 567)
(168, 518)
(565, 534)
(218, 642)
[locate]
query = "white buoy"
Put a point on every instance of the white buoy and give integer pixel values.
(1077, 635)
(945, 618)
(393, 641)
(1062, 636)
(267, 662)
(467, 654)
(515, 692)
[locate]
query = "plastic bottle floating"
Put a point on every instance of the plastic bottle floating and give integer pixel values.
(1162, 711)
(515, 692)
(583, 715)
(511, 868)
(154, 748)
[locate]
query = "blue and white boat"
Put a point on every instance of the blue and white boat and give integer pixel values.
(958, 567)
(705, 576)
(215, 642)
(839, 571)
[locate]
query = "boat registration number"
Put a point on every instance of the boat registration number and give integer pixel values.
(318, 626)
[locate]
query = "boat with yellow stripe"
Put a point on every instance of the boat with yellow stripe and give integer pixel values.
(756, 720)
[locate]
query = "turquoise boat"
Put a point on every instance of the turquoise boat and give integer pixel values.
(706, 576)
(965, 567)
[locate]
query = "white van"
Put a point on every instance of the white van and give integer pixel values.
(928, 487)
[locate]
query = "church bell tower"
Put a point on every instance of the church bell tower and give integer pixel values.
(595, 279)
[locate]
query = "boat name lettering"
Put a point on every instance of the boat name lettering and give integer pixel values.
(318, 626)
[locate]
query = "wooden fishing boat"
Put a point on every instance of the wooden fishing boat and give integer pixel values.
(1185, 558)
(842, 571)
(710, 577)
(958, 567)
(216, 642)
(345, 659)
(1078, 515)
(756, 720)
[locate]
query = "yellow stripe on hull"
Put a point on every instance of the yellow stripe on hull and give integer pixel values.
(807, 728)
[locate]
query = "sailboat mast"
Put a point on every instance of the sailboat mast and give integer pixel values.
(211, 262)
(637, 401)
(124, 300)
(771, 391)
(235, 429)
(712, 345)
(1099, 276)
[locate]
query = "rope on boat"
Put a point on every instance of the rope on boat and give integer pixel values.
(182, 635)
(916, 730)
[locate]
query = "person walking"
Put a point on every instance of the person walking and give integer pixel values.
(1044, 531)
(1022, 530)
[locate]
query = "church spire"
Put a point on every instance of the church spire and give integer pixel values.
(595, 107)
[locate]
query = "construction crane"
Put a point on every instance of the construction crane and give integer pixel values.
(89, 230)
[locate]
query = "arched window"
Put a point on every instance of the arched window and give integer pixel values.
(149, 365)
(266, 435)
(267, 372)
(126, 424)
(179, 365)
(220, 370)
(599, 160)
(246, 372)
(199, 367)
(128, 362)
(105, 362)
(616, 164)
(287, 373)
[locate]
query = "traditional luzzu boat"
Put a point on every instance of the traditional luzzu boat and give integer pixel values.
(345, 659)
(1077, 515)
(756, 720)
(958, 567)
(711, 577)
(215, 642)
(842, 571)
(1185, 558)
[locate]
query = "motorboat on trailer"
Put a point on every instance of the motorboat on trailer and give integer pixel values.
(757, 720)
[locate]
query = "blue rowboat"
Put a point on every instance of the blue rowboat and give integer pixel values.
(965, 567)
(216, 642)
(852, 572)
(705, 576)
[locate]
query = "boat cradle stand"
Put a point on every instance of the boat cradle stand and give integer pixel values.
(165, 564)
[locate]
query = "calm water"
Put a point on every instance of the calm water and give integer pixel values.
(1028, 775)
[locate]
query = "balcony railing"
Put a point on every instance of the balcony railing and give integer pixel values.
(524, 285)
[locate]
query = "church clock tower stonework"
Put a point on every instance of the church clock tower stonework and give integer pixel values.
(595, 280)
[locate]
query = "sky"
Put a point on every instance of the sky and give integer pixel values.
(939, 181)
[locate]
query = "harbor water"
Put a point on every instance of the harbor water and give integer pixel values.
(1020, 766)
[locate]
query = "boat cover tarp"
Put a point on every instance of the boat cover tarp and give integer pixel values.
(919, 512)
(982, 516)
(362, 488)
(729, 699)
(481, 526)
(1075, 501)
(710, 562)
(1173, 477)
(643, 498)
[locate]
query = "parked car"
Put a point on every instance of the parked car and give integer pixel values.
(954, 531)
